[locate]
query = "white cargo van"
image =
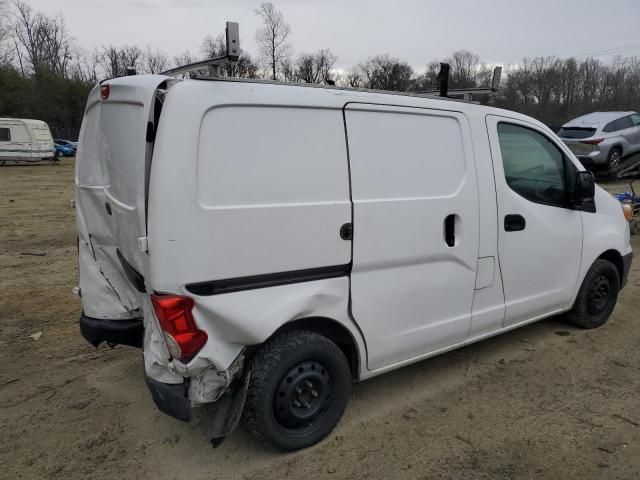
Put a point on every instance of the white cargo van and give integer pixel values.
(269, 244)
(25, 140)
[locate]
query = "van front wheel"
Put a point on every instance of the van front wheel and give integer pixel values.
(299, 387)
(597, 296)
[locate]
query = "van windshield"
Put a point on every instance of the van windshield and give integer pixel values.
(576, 132)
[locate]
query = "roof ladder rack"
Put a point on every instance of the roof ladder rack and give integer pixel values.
(465, 93)
(232, 32)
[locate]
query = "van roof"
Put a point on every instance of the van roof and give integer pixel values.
(306, 94)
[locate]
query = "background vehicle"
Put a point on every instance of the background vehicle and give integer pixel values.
(309, 237)
(64, 150)
(25, 140)
(602, 139)
(72, 145)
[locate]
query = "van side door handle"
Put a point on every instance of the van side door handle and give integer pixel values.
(450, 230)
(514, 223)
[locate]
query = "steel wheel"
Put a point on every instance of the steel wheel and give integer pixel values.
(299, 388)
(303, 396)
(598, 296)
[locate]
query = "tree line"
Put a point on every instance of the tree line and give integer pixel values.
(44, 74)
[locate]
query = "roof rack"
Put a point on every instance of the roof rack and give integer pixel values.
(465, 93)
(232, 33)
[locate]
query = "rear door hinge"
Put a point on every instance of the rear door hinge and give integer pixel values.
(143, 244)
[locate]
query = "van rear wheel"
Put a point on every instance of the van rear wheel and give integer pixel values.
(597, 296)
(299, 388)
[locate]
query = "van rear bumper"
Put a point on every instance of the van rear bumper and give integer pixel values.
(121, 332)
(170, 399)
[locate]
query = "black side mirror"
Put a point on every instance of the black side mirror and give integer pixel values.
(584, 191)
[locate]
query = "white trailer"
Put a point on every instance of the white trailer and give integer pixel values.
(25, 140)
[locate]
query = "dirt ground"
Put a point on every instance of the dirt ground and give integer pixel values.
(546, 401)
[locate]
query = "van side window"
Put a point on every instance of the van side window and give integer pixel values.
(533, 166)
(5, 135)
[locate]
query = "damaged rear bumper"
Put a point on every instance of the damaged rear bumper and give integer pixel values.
(120, 332)
(170, 398)
(173, 400)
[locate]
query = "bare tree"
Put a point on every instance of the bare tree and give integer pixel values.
(383, 72)
(213, 47)
(154, 61)
(466, 70)
(84, 66)
(314, 67)
(43, 41)
(111, 62)
(272, 38)
(6, 50)
(132, 57)
(115, 61)
(352, 78)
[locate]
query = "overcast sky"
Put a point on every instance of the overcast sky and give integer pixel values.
(500, 31)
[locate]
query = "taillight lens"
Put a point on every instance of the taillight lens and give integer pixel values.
(593, 142)
(104, 91)
(179, 329)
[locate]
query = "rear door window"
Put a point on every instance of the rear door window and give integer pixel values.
(635, 119)
(576, 132)
(5, 135)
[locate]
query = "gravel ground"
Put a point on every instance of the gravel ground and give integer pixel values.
(545, 401)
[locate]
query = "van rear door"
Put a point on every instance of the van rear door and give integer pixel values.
(112, 170)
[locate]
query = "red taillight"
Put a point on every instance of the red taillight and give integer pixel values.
(104, 91)
(181, 335)
(593, 142)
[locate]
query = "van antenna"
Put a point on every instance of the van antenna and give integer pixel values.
(232, 34)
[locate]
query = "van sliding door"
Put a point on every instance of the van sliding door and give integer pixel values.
(415, 204)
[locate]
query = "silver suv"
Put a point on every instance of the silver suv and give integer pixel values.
(602, 139)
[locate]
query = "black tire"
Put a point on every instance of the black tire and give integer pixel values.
(597, 296)
(614, 158)
(299, 388)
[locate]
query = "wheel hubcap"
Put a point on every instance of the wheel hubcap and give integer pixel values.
(303, 395)
(599, 294)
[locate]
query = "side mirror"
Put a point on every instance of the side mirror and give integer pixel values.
(584, 191)
(585, 187)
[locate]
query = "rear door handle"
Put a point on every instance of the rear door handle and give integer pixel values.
(514, 223)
